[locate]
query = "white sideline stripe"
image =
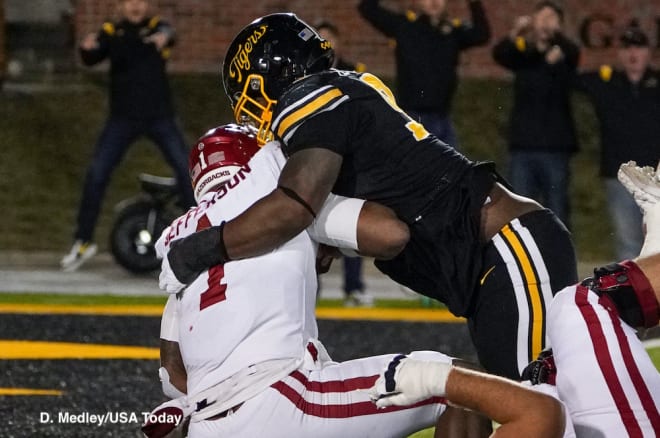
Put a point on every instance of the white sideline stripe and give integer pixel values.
(651, 343)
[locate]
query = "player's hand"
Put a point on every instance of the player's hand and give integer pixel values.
(554, 55)
(521, 25)
(324, 257)
(190, 256)
(158, 39)
(642, 183)
(89, 42)
(408, 381)
(167, 281)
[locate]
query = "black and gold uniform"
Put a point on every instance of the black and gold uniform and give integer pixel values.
(139, 88)
(439, 193)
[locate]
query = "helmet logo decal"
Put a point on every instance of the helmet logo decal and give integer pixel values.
(306, 34)
(241, 60)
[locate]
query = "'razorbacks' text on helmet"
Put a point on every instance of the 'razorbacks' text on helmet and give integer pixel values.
(265, 58)
(218, 155)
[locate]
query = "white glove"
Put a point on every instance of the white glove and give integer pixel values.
(167, 281)
(408, 381)
(641, 182)
(644, 185)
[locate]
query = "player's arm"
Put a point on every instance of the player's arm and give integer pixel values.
(304, 184)
(520, 411)
(478, 33)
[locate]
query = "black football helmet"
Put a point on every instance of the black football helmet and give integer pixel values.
(265, 58)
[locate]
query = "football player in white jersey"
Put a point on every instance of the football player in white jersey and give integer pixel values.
(247, 333)
(598, 365)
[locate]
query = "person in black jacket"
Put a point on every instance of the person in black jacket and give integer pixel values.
(138, 47)
(428, 46)
(627, 103)
(541, 132)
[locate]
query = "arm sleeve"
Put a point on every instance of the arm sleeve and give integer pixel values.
(94, 56)
(381, 18)
(478, 33)
(509, 55)
(166, 28)
(336, 222)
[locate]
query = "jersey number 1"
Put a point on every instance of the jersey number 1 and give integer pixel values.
(217, 291)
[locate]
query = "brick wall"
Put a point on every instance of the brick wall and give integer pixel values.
(206, 27)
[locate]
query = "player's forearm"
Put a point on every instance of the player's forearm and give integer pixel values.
(380, 233)
(650, 266)
(264, 226)
(519, 410)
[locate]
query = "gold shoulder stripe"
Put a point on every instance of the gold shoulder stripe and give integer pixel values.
(605, 73)
(521, 44)
(108, 28)
(154, 22)
(411, 16)
(311, 107)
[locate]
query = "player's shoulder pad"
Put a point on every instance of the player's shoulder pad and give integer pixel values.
(305, 87)
(108, 28)
(307, 97)
(411, 15)
(605, 72)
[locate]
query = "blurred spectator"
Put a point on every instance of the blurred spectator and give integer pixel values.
(627, 103)
(329, 31)
(354, 290)
(428, 45)
(138, 47)
(542, 134)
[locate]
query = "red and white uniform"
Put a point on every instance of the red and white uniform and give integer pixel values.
(604, 375)
(247, 334)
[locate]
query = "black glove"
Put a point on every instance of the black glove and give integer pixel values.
(192, 255)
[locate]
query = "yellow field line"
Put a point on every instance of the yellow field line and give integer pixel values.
(69, 350)
(353, 313)
(81, 309)
(29, 391)
(382, 314)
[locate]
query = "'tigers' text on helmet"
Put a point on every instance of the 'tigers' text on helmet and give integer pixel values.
(241, 60)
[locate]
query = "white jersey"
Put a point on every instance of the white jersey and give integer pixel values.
(247, 311)
(604, 376)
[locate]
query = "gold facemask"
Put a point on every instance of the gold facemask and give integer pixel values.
(256, 112)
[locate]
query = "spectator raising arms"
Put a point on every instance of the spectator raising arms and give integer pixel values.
(428, 45)
(627, 104)
(138, 47)
(541, 132)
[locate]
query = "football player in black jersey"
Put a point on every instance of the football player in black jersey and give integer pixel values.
(491, 256)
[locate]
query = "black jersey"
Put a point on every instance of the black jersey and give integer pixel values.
(391, 159)
(139, 88)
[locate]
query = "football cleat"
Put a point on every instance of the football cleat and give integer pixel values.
(79, 254)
